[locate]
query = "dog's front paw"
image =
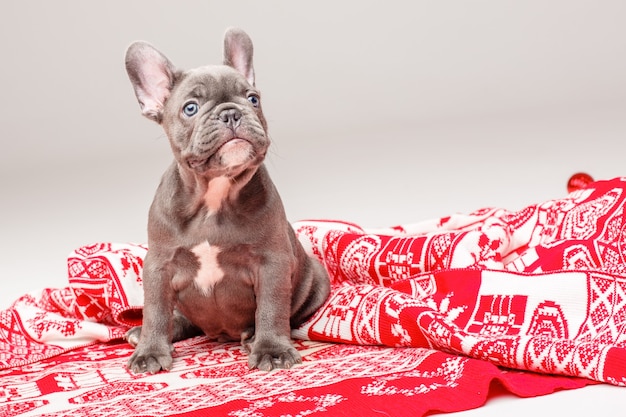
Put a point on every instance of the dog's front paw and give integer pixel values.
(266, 355)
(151, 359)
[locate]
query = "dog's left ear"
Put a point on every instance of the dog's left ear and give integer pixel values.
(238, 52)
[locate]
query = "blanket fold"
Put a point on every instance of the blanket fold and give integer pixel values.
(541, 289)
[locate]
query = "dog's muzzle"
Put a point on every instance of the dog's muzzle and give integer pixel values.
(234, 153)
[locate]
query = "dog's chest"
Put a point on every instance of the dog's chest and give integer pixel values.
(209, 272)
(214, 288)
(197, 268)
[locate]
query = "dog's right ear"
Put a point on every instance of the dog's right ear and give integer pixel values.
(152, 76)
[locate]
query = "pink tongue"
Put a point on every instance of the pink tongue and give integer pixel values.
(235, 152)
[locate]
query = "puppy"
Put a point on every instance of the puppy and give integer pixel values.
(223, 260)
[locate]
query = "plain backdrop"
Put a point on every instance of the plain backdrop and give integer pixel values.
(381, 113)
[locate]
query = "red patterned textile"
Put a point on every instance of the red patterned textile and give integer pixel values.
(434, 311)
(212, 379)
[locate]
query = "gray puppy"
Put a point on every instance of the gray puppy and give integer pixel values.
(223, 260)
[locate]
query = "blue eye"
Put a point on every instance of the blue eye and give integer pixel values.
(254, 99)
(191, 108)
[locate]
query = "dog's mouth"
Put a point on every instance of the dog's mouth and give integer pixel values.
(234, 153)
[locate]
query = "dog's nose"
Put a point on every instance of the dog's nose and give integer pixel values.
(231, 117)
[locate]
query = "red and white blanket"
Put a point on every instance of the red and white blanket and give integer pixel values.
(422, 317)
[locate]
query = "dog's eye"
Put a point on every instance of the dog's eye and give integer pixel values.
(190, 108)
(254, 99)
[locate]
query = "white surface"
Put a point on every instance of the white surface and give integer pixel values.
(381, 113)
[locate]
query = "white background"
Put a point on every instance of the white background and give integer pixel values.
(381, 113)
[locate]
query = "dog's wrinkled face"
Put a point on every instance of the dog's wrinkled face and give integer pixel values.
(211, 115)
(214, 121)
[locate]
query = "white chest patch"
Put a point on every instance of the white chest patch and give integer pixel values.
(209, 272)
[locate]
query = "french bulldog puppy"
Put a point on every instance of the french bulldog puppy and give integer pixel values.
(223, 260)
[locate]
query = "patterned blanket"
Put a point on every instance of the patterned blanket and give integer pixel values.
(437, 310)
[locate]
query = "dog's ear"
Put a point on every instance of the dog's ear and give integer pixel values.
(238, 52)
(152, 76)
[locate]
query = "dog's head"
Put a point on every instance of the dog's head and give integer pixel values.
(211, 115)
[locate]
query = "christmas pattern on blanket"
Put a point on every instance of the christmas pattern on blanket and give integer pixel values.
(213, 379)
(542, 289)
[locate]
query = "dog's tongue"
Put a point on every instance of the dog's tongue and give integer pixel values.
(235, 152)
